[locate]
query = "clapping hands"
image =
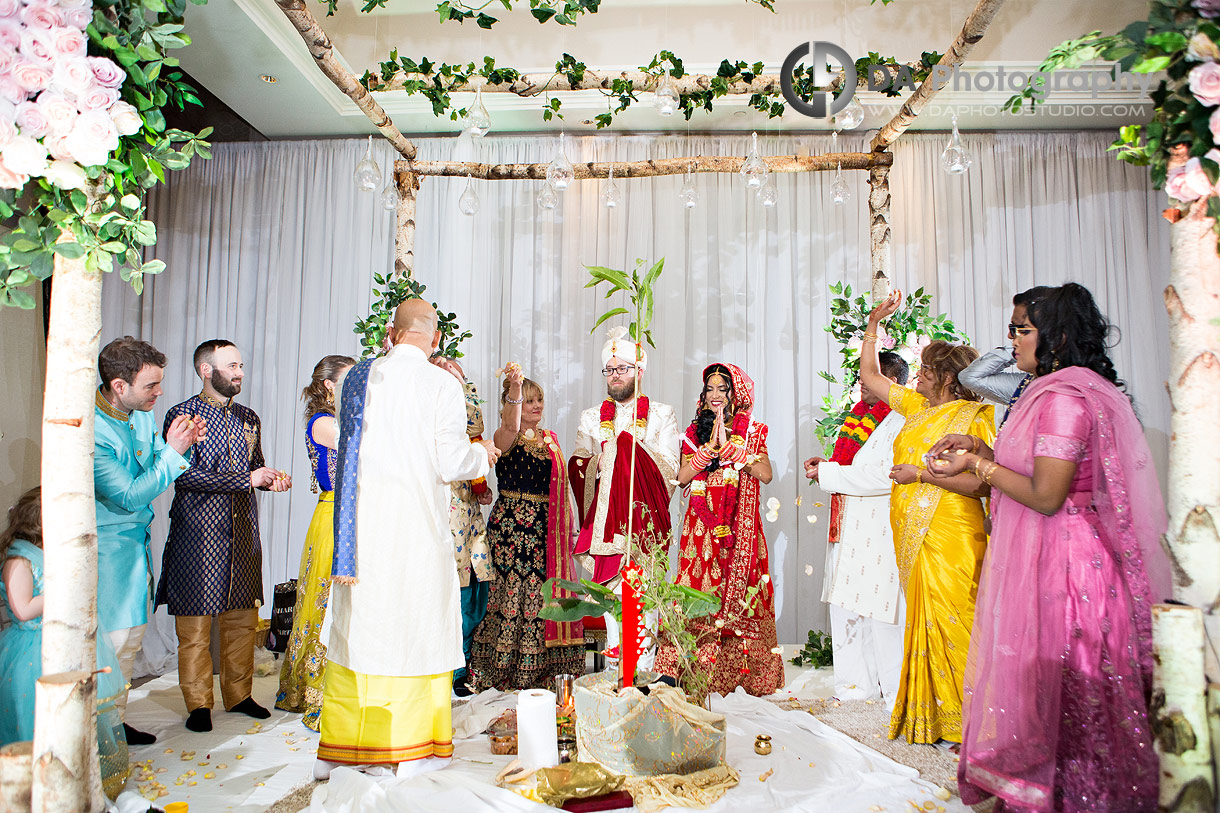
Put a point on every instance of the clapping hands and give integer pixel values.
(185, 431)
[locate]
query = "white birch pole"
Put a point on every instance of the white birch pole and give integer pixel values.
(16, 776)
(1192, 300)
(1179, 710)
(69, 529)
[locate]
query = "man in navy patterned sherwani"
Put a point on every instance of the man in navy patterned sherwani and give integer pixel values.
(213, 562)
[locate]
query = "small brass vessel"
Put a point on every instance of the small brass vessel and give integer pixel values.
(762, 745)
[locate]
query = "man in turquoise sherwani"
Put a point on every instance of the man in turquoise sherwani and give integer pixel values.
(132, 464)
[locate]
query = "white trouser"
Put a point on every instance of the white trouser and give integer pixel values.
(126, 643)
(868, 655)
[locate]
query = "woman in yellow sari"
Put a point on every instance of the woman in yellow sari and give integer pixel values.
(939, 538)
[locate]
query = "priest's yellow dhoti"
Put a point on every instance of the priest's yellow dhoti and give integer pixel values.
(377, 719)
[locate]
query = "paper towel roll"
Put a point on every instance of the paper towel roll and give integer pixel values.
(536, 732)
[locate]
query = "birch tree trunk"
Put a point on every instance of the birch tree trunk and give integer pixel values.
(1178, 712)
(15, 776)
(63, 712)
(1192, 299)
(880, 252)
(407, 183)
(69, 528)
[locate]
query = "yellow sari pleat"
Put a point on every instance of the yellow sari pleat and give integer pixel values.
(939, 542)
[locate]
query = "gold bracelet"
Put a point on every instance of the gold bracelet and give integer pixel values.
(990, 471)
(974, 444)
(919, 474)
(870, 337)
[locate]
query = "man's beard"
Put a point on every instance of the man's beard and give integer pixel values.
(621, 392)
(224, 386)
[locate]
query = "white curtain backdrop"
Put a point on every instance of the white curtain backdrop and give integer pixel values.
(270, 246)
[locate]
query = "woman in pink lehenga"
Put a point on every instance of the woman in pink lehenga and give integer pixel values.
(1060, 666)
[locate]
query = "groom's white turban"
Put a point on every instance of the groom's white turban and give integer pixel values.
(620, 344)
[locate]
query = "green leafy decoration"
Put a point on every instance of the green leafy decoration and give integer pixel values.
(675, 605)
(848, 318)
(817, 651)
(393, 290)
(638, 289)
(435, 81)
(108, 227)
(1174, 39)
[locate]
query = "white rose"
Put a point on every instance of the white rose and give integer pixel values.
(67, 5)
(41, 15)
(10, 34)
(24, 156)
(72, 77)
(58, 147)
(10, 92)
(78, 17)
(97, 98)
(59, 112)
(65, 175)
(126, 118)
(30, 77)
(68, 43)
(10, 179)
(92, 139)
(8, 131)
(31, 121)
(37, 48)
(106, 73)
(10, 8)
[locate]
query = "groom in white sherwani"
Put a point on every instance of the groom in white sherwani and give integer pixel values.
(396, 633)
(867, 611)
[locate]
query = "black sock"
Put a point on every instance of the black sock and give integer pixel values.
(135, 737)
(200, 720)
(252, 709)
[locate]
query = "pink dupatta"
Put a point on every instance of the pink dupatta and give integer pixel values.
(1017, 682)
(559, 561)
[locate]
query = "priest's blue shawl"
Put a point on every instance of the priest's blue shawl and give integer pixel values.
(351, 430)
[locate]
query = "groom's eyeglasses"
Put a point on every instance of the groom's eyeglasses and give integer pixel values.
(622, 369)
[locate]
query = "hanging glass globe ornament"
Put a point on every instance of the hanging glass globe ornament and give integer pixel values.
(850, 117)
(839, 191)
(689, 194)
(611, 195)
(768, 193)
(755, 169)
(547, 199)
(955, 159)
(389, 197)
(478, 120)
(368, 174)
(666, 100)
(560, 173)
(468, 203)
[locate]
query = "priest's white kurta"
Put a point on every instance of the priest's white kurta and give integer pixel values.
(403, 617)
(867, 612)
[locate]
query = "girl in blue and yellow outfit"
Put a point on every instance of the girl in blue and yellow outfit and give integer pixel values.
(305, 659)
(21, 646)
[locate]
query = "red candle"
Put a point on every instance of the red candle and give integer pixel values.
(629, 649)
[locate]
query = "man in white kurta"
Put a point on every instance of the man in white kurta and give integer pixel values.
(867, 611)
(396, 632)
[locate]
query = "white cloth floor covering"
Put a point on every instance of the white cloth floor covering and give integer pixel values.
(867, 655)
(814, 766)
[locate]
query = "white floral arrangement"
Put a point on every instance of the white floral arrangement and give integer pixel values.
(59, 108)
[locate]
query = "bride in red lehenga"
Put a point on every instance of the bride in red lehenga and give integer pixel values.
(723, 550)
